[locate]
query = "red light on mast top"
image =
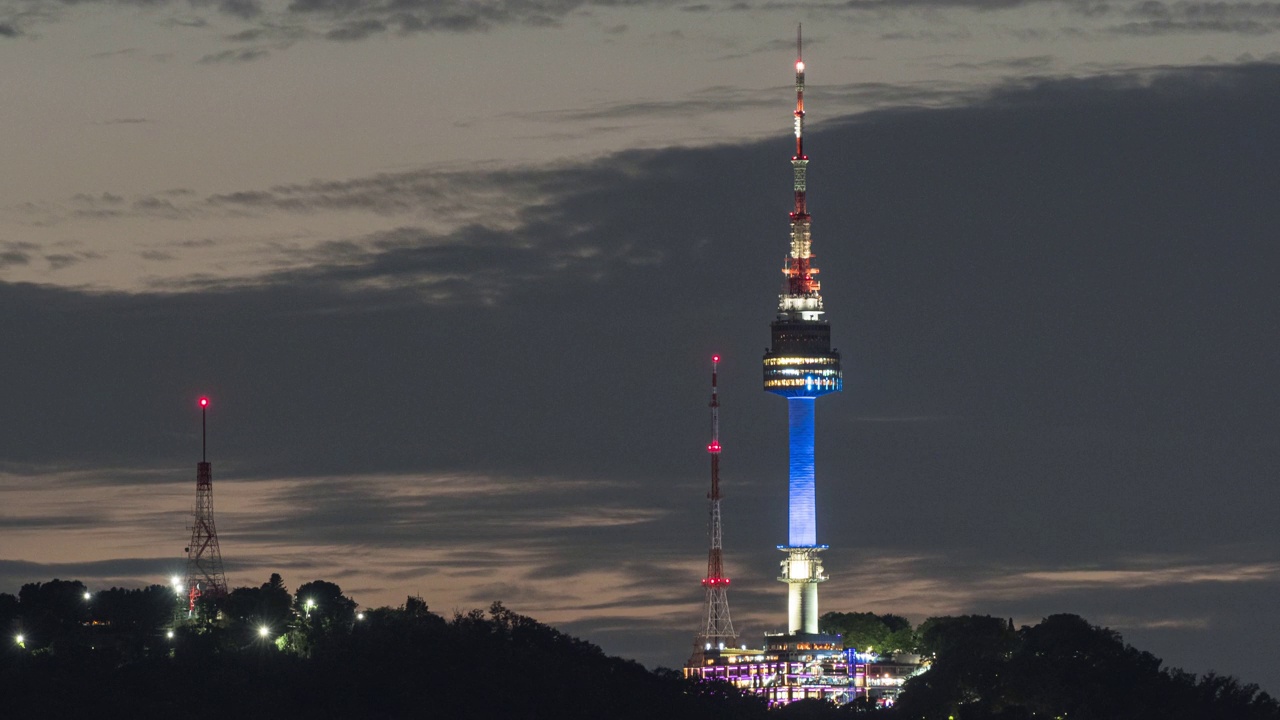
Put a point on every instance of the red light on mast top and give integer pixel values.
(715, 358)
(204, 402)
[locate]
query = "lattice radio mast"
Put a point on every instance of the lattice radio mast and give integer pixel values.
(205, 576)
(717, 630)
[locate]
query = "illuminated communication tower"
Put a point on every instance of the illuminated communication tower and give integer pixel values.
(717, 628)
(204, 558)
(801, 366)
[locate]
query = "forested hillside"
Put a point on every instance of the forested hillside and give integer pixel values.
(263, 652)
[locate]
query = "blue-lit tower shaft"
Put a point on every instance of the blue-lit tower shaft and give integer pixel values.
(801, 366)
(802, 525)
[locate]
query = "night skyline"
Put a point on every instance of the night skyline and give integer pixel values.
(469, 361)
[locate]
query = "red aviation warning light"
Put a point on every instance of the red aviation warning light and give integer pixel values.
(204, 402)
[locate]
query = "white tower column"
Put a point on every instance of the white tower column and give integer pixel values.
(802, 571)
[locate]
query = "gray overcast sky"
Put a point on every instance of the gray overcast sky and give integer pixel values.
(452, 273)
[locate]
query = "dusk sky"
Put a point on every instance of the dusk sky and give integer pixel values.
(452, 274)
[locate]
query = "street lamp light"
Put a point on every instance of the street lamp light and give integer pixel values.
(263, 631)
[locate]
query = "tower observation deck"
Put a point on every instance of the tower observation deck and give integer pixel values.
(801, 366)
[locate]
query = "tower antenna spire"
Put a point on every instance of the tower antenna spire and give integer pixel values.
(799, 269)
(717, 628)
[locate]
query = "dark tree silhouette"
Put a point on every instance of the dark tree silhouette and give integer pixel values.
(881, 633)
(1063, 667)
(54, 613)
(9, 614)
(323, 603)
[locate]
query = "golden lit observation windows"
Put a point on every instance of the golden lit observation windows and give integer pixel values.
(796, 372)
(800, 361)
(799, 382)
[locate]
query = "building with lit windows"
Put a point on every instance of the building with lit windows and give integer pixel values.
(815, 667)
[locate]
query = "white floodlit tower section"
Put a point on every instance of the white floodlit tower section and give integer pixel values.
(801, 366)
(717, 628)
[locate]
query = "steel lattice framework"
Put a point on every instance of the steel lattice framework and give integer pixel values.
(205, 576)
(717, 628)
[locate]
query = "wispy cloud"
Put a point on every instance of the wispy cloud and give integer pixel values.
(240, 55)
(1143, 578)
(354, 20)
(722, 99)
(16, 253)
(14, 257)
(58, 261)
(1155, 17)
(336, 20)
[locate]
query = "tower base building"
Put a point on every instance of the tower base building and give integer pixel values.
(794, 667)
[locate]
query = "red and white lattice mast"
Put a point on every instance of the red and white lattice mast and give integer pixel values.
(717, 631)
(205, 576)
